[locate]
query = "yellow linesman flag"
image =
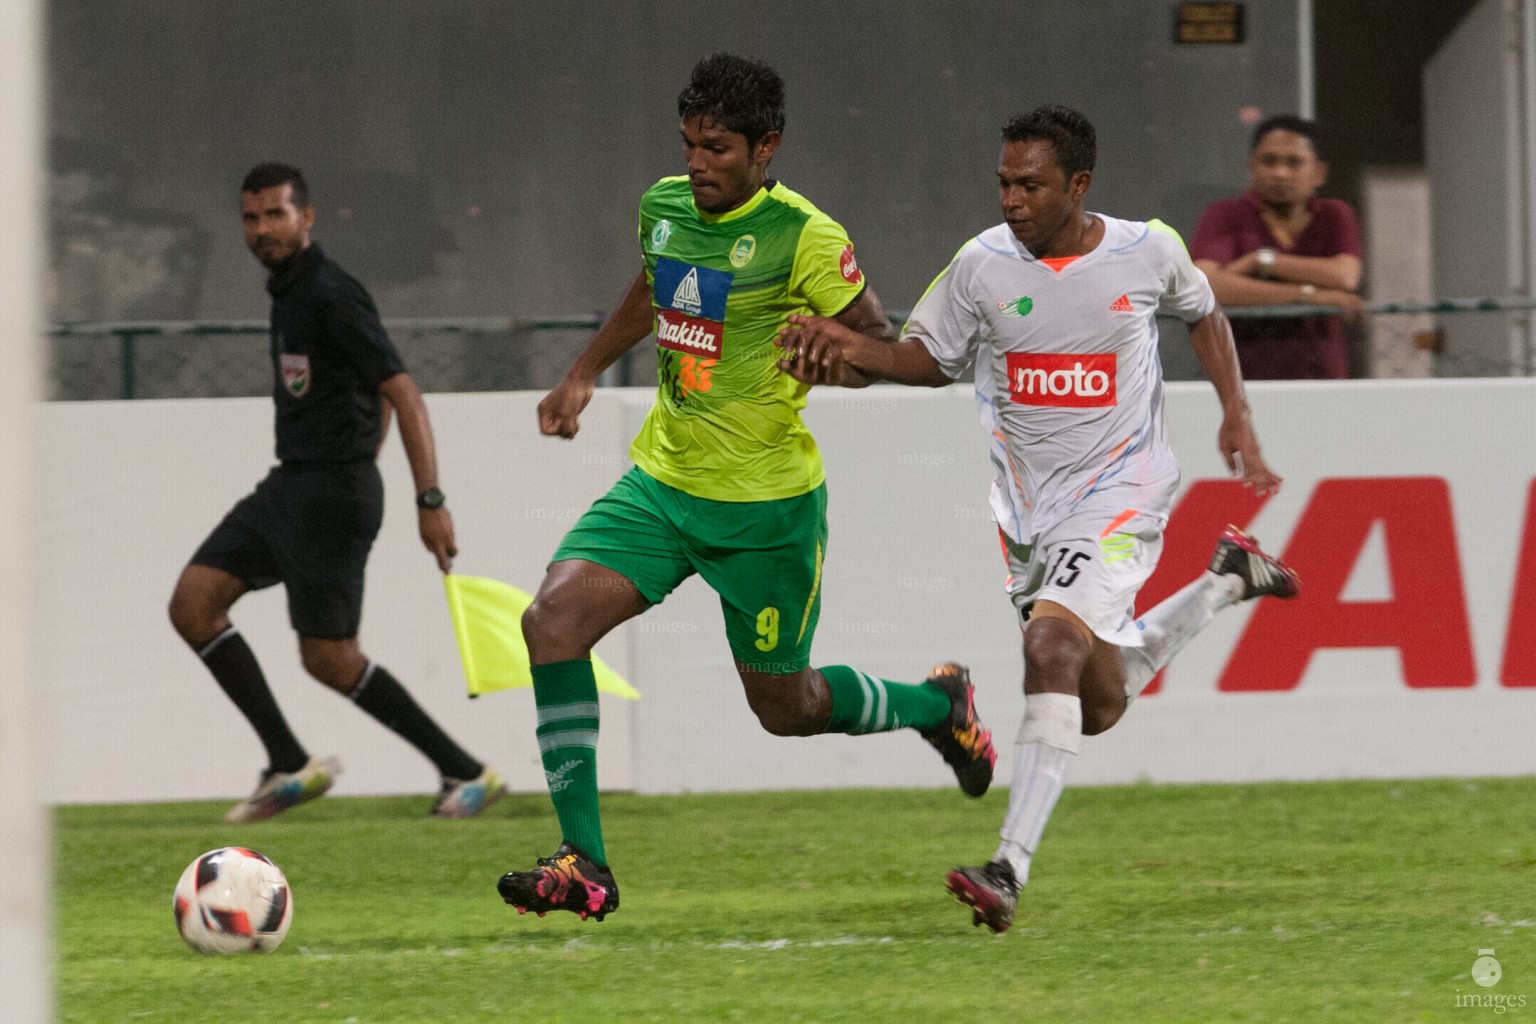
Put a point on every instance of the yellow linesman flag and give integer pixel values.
(487, 621)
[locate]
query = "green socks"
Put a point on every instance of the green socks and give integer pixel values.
(565, 693)
(862, 703)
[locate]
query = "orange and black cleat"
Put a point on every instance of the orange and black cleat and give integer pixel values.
(966, 746)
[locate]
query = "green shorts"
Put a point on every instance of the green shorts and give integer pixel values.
(762, 557)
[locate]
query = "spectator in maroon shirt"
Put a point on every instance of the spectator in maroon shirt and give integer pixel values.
(1277, 244)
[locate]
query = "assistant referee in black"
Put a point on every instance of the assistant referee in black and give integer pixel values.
(311, 523)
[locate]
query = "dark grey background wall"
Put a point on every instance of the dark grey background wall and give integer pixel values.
(482, 158)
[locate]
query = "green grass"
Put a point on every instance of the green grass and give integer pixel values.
(1352, 901)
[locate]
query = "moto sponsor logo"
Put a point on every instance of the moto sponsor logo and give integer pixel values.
(1071, 381)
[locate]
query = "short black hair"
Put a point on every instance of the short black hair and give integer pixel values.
(1071, 134)
(742, 94)
(270, 175)
(1286, 123)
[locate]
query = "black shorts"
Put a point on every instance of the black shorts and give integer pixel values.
(310, 527)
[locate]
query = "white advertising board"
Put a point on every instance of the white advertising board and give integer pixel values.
(1407, 508)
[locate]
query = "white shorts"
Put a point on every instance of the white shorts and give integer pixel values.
(1092, 564)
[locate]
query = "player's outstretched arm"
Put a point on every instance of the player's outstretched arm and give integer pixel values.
(626, 326)
(434, 524)
(1211, 337)
(822, 351)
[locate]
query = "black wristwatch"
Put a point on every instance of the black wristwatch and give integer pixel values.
(1266, 257)
(430, 498)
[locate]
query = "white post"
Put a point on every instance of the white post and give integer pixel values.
(1527, 179)
(25, 951)
(1306, 62)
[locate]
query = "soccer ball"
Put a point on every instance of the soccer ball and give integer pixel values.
(233, 900)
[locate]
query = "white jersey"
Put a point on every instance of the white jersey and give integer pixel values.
(1004, 498)
(1071, 357)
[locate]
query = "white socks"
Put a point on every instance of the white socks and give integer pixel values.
(1052, 732)
(1053, 722)
(1173, 623)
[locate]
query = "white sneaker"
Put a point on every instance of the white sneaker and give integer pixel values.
(278, 791)
(465, 798)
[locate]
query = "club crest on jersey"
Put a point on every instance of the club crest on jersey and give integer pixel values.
(690, 307)
(295, 368)
(743, 251)
(1073, 381)
(659, 234)
(1016, 307)
(849, 267)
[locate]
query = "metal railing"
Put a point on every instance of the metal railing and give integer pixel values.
(184, 358)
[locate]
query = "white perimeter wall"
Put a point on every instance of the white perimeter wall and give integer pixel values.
(912, 577)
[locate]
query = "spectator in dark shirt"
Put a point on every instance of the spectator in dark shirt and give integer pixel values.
(311, 523)
(1278, 244)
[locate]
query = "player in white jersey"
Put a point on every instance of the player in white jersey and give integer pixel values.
(1057, 309)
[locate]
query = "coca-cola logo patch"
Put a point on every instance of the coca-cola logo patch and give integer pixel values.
(1070, 381)
(849, 266)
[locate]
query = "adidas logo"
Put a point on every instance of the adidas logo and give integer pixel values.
(1259, 571)
(1122, 305)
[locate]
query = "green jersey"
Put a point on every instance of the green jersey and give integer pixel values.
(726, 425)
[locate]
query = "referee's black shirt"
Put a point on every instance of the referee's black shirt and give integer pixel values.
(329, 356)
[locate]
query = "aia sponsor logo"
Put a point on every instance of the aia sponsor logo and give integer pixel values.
(691, 334)
(849, 266)
(1065, 381)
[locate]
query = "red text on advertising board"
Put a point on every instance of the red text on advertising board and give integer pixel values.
(1426, 617)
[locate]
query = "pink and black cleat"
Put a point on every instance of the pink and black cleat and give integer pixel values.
(1238, 554)
(566, 880)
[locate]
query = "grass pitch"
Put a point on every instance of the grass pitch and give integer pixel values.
(1354, 901)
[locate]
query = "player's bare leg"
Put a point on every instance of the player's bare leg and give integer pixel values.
(842, 699)
(466, 786)
(578, 603)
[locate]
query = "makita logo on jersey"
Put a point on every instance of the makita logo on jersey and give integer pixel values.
(691, 334)
(1072, 381)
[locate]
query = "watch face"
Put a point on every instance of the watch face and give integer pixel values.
(430, 498)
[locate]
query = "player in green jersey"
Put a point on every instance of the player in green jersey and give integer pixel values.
(727, 481)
